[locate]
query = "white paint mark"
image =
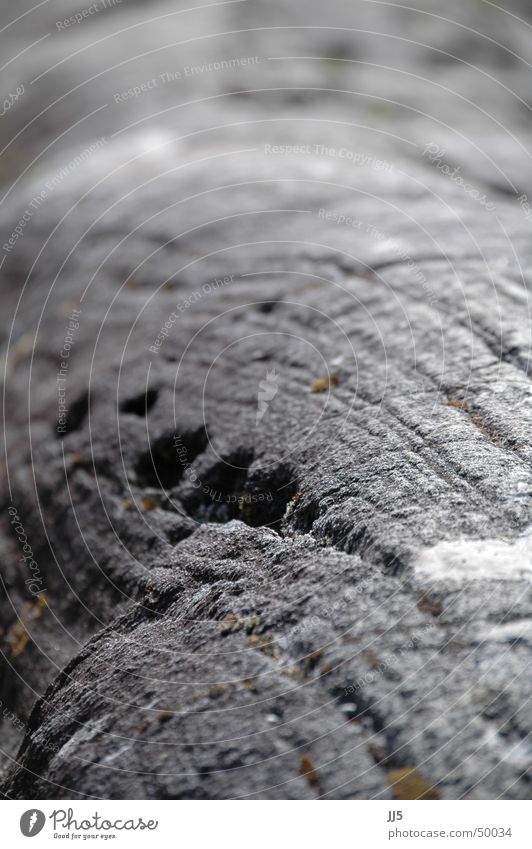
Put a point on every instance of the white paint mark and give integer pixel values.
(462, 561)
(508, 632)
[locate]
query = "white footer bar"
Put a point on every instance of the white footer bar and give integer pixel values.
(267, 825)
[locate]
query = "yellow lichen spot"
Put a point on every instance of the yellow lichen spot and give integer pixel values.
(232, 623)
(217, 690)
(458, 404)
(248, 623)
(430, 605)
(164, 715)
(21, 350)
(229, 624)
(293, 672)
(308, 770)
(17, 638)
(407, 783)
(322, 384)
(147, 504)
(485, 431)
(263, 645)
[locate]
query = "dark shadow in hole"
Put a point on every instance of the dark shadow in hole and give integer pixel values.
(228, 491)
(267, 306)
(164, 463)
(221, 489)
(304, 515)
(140, 404)
(77, 412)
(268, 496)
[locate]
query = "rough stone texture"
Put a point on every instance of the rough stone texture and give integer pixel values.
(331, 599)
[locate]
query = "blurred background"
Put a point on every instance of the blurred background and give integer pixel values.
(455, 70)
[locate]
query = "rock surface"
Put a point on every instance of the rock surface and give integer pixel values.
(281, 537)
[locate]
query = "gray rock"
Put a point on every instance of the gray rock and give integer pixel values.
(282, 534)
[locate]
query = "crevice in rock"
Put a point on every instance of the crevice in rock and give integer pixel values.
(494, 342)
(301, 513)
(139, 405)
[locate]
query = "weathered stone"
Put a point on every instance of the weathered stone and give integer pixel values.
(283, 530)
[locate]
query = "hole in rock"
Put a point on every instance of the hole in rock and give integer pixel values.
(75, 416)
(164, 463)
(140, 404)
